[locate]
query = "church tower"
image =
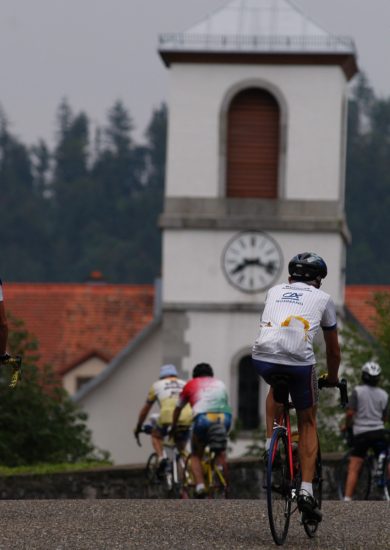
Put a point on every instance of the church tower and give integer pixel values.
(255, 174)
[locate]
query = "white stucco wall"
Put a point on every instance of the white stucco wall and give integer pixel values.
(114, 405)
(312, 99)
(193, 269)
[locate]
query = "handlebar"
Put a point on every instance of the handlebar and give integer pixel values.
(144, 430)
(341, 385)
(16, 363)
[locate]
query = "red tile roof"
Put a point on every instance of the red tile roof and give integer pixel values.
(358, 299)
(74, 321)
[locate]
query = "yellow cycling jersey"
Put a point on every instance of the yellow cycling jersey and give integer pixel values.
(166, 392)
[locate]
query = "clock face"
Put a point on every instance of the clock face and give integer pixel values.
(252, 261)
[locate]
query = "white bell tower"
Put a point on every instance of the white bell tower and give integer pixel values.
(255, 174)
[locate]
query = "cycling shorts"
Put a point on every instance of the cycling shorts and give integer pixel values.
(303, 383)
(203, 421)
(374, 440)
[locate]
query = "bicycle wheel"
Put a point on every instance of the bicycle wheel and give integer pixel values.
(363, 486)
(386, 475)
(151, 469)
(279, 487)
(188, 483)
(312, 526)
(218, 488)
(178, 474)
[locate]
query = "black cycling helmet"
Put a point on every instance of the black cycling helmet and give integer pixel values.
(307, 266)
(202, 369)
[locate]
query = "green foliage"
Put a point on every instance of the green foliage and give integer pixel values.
(38, 420)
(45, 468)
(359, 347)
(367, 185)
(72, 210)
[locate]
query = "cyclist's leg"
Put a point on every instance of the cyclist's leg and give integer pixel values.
(308, 442)
(354, 467)
(361, 444)
(196, 463)
(198, 443)
(303, 387)
(273, 410)
(157, 441)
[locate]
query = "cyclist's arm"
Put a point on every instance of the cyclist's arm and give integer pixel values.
(142, 415)
(351, 411)
(385, 415)
(182, 401)
(3, 329)
(333, 355)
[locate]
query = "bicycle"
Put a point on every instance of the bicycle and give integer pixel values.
(171, 476)
(283, 469)
(215, 477)
(373, 482)
(16, 363)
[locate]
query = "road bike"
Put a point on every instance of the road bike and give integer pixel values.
(215, 476)
(283, 477)
(170, 476)
(374, 479)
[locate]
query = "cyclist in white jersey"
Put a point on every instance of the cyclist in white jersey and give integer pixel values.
(292, 315)
(367, 412)
(165, 391)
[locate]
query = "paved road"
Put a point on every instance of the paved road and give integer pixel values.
(170, 524)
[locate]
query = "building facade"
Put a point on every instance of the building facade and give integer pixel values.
(255, 174)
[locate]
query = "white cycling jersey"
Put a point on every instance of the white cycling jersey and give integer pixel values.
(292, 316)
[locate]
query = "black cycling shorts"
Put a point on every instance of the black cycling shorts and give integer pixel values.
(369, 440)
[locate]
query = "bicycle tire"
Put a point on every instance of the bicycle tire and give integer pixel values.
(188, 486)
(279, 486)
(178, 480)
(363, 486)
(311, 527)
(151, 469)
(218, 488)
(386, 479)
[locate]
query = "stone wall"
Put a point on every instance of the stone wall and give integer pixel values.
(246, 481)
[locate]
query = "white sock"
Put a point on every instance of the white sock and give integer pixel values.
(160, 458)
(347, 499)
(199, 487)
(306, 488)
(267, 443)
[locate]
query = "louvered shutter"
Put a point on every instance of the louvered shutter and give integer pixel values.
(253, 145)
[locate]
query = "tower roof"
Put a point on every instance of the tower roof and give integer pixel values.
(255, 27)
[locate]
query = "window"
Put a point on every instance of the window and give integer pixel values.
(248, 395)
(82, 380)
(253, 145)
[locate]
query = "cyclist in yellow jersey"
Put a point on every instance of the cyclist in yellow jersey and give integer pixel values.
(166, 391)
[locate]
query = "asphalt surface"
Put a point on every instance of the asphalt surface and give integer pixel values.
(160, 524)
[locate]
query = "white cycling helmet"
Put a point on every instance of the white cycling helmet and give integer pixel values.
(371, 372)
(168, 370)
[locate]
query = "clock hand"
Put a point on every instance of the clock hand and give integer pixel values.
(239, 267)
(269, 267)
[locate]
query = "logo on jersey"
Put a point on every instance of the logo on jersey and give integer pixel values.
(292, 296)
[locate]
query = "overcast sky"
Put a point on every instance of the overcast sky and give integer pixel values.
(95, 51)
